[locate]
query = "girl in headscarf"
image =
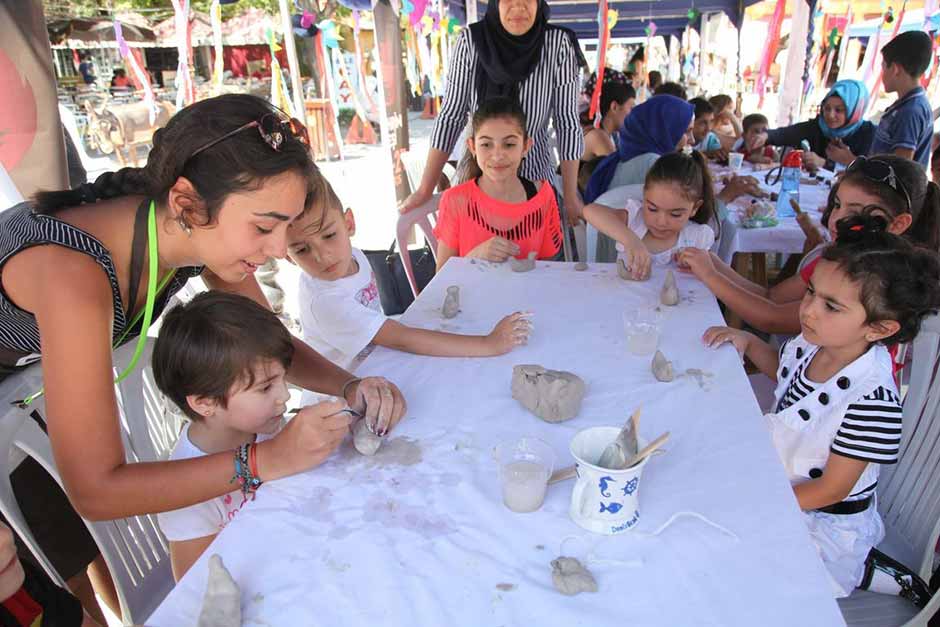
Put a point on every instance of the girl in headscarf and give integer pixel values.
(514, 52)
(837, 135)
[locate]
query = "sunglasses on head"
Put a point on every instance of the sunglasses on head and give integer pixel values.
(274, 131)
(880, 172)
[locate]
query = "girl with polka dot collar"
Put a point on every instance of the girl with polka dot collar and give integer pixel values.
(837, 412)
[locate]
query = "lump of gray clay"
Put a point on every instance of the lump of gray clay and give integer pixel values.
(366, 442)
(622, 271)
(221, 607)
(523, 265)
(451, 302)
(670, 292)
(662, 368)
(580, 266)
(571, 578)
(552, 395)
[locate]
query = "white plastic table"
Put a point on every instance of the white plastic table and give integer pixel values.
(418, 535)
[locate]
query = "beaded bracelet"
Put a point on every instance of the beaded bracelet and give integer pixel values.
(245, 475)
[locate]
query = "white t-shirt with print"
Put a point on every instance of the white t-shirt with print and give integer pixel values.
(692, 235)
(202, 519)
(340, 318)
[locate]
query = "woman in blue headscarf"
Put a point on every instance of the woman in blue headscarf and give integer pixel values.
(660, 125)
(837, 135)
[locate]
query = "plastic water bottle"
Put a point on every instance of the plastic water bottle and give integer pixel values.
(792, 166)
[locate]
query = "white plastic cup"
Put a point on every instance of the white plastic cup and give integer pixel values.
(524, 468)
(735, 161)
(642, 328)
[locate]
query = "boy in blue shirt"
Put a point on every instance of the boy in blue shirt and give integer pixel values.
(906, 128)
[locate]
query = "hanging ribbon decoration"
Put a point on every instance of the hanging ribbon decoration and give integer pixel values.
(810, 58)
(361, 66)
(833, 39)
(770, 52)
(139, 75)
(931, 23)
(185, 88)
(218, 66)
(873, 91)
(603, 35)
(279, 95)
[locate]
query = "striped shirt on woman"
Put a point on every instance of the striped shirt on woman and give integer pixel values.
(549, 92)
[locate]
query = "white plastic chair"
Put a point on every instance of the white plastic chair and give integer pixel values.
(406, 222)
(134, 549)
(909, 494)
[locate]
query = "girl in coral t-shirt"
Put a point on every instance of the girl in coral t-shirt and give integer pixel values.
(497, 214)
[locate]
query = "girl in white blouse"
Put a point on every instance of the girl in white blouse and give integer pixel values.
(678, 204)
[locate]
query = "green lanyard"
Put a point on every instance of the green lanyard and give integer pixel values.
(147, 314)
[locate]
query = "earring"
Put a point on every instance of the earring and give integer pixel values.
(184, 227)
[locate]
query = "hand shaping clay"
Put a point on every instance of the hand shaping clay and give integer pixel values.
(523, 265)
(552, 395)
(221, 607)
(451, 302)
(571, 578)
(670, 292)
(364, 440)
(662, 368)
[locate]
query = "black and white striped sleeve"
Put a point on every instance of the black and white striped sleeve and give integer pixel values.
(456, 101)
(565, 103)
(871, 429)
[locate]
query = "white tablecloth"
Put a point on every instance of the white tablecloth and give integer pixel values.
(418, 535)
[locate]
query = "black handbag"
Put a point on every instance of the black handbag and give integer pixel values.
(394, 291)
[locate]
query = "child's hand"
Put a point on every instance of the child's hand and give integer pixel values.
(306, 441)
(510, 332)
(839, 152)
(637, 260)
(496, 249)
(716, 336)
(696, 261)
(813, 237)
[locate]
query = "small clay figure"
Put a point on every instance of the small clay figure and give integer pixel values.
(451, 302)
(662, 368)
(571, 578)
(364, 440)
(580, 245)
(221, 607)
(523, 265)
(619, 452)
(552, 395)
(622, 271)
(670, 292)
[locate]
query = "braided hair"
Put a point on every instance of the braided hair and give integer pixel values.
(240, 162)
(898, 280)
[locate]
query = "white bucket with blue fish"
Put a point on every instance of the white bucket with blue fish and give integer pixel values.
(603, 500)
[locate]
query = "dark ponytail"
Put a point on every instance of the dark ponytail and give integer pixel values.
(690, 172)
(898, 280)
(925, 228)
(238, 163)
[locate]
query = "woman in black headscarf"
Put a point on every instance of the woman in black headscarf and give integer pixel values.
(514, 52)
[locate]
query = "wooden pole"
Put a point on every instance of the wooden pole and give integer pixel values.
(294, 69)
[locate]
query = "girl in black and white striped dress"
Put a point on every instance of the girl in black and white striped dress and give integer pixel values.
(514, 52)
(838, 414)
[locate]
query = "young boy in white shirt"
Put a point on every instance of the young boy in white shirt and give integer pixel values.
(339, 299)
(223, 360)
